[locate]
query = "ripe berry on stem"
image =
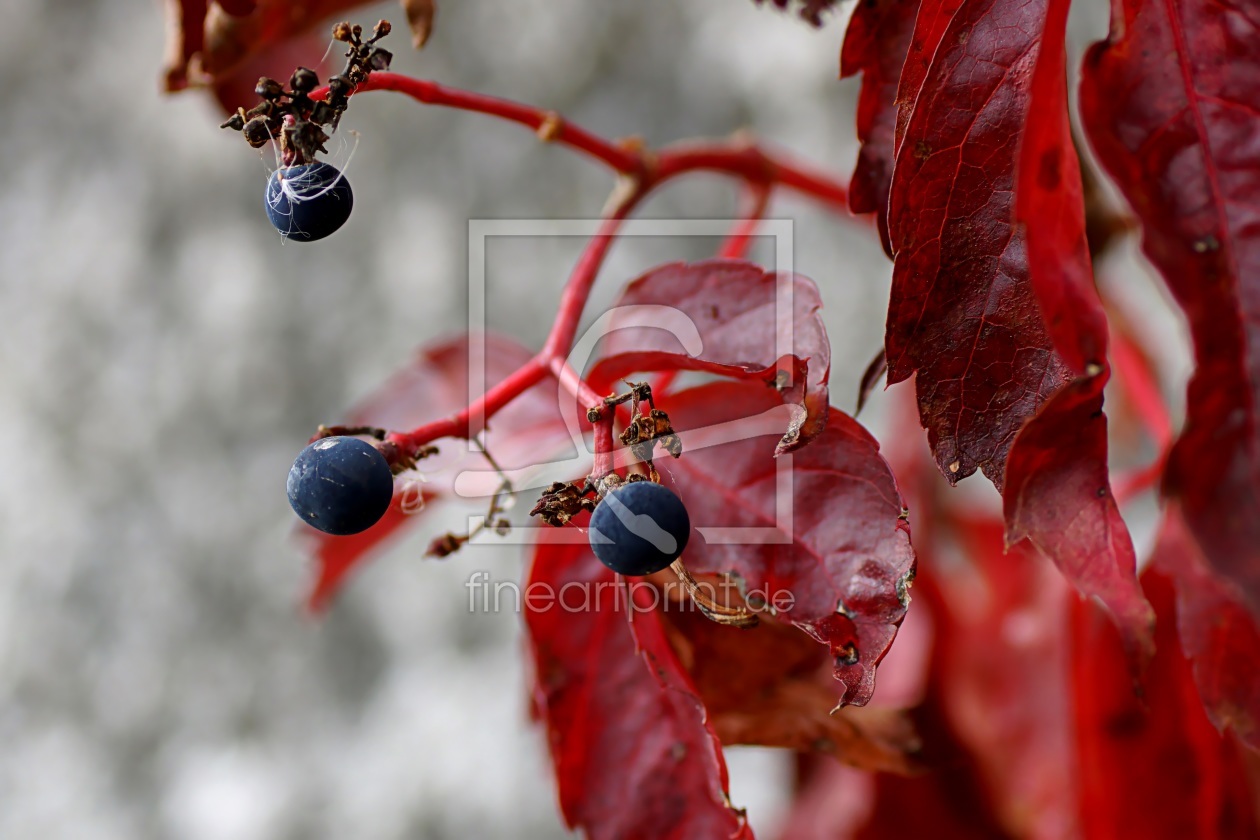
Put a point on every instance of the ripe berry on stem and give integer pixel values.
(308, 201)
(639, 528)
(340, 485)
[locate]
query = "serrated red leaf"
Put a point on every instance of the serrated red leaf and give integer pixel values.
(728, 317)
(1057, 488)
(435, 384)
(1150, 767)
(845, 547)
(1217, 632)
(1170, 104)
(875, 45)
(633, 753)
(963, 315)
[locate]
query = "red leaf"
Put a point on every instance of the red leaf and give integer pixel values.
(875, 45)
(764, 686)
(1050, 205)
(963, 315)
(930, 24)
(229, 43)
(633, 754)
(237, 8)
(728, 317)
(437, 384)
(846, 545)
(1058, 493)
(811, 11)
(1170, 103)
(420, 15)
(336, 556)
(999, 674)
(1058, 496)
(1152, 767)
(212, 40)
(186, 36)
(1218, 634)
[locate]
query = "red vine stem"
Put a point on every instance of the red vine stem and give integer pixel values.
(551, 359)
(738, 156)
(547, 124)
(756, 198)
(1139, 383)
(643, 171)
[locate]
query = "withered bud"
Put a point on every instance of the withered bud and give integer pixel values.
(269, 89)
(304, 80)
(323, 113)
(341, 31)
(340, 86)
(561, 502)
(444, 545)
(380, 59)
(257, 132)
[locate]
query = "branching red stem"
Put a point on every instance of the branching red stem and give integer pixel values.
(642, 171)
(738, 156)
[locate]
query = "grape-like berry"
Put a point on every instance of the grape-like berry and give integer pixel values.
(340, 485)
(639, 528)
(308, 201)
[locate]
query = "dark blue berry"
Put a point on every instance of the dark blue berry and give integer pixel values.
(309, 201)
(340, 485)
(639, 528)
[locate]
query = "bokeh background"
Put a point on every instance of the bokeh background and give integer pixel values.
(164, 355)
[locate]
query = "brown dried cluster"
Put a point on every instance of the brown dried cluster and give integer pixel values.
(293, 117)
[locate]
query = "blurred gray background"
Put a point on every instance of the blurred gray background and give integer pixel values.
(164, 355)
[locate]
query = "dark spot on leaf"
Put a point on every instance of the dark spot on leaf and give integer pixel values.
(1048, 171)
(1125, 724)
